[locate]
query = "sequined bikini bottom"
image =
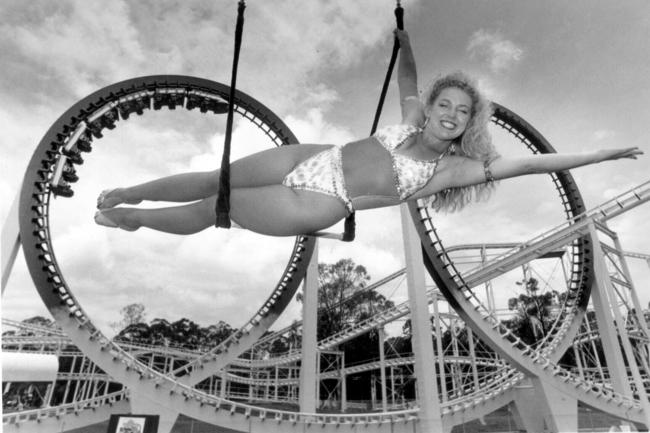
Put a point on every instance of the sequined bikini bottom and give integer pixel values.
(323, 173)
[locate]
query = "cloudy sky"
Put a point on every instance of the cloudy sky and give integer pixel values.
(578, 71)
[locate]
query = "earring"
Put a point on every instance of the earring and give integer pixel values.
(426, 121)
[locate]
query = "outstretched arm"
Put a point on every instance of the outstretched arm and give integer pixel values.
(471, 172)
(407, 80)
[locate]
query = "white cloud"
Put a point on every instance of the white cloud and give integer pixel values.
(499, 53)
(603, 134)
(56, 52)
(313, 128)
(77, 43)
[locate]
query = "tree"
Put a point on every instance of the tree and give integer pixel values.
(183, 332)
(533, 312)
(131, 314)
(343, 300)
(216, 333)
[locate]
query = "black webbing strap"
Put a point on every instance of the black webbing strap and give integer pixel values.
(399, 16)
(223, 197)
(350, 224)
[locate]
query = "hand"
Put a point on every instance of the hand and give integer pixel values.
(613, 154)
(402, 36)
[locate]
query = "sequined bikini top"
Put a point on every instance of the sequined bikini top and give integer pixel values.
(410, 174)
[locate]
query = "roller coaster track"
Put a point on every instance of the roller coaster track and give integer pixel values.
(68, 416)
(296, 325)
(495, 384)
(54, 344)
(491, 383)
(41, 330)
(477, 277)
(369, 366)
(494, 389)
(51, 171)
(535, 362)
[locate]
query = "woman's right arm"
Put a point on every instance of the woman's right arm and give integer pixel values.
(407, 80)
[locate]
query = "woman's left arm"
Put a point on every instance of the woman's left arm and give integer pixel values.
(471, 172)
(407, 82)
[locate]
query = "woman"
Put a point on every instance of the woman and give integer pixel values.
(441, 152)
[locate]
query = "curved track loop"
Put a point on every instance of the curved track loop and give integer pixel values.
(530, 360)
(73, 134)
(559, 337)
(561, 334)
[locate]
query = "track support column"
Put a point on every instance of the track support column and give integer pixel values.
(344, 385)
(10, 241)
(542, 408)
(632, 367)
(603, 307)
(308, 373)
(430, 419)
(382, 371)
(140, 404)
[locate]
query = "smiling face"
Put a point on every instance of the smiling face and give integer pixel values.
(449, 114)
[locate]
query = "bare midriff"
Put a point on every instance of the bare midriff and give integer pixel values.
(368, 172)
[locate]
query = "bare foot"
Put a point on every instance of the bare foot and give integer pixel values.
(114, 218)
(112, 197)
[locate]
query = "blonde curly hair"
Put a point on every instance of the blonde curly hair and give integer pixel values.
(475, 142)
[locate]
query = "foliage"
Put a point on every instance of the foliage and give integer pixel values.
(287, 342)
(342, 298)
(182, 333)
(131, 315)
(533, 312)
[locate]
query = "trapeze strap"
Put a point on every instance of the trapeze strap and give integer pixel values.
(222, 206)
(328, 235)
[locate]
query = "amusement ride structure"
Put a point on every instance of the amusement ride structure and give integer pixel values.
(218, 386)
(236, 384)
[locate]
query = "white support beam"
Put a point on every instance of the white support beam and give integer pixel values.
(527, 414)
(344, 385)
(10, 241)
(382, 370)
(632, 365)
(309, 353)
(142, 405)
(603, 308)
(541, 408)
(430, 419)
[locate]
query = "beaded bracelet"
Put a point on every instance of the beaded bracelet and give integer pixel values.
(489, 178)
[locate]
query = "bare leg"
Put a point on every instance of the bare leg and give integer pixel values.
(177, 188)
(260, 169)
(273, 210)
(180, 220)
